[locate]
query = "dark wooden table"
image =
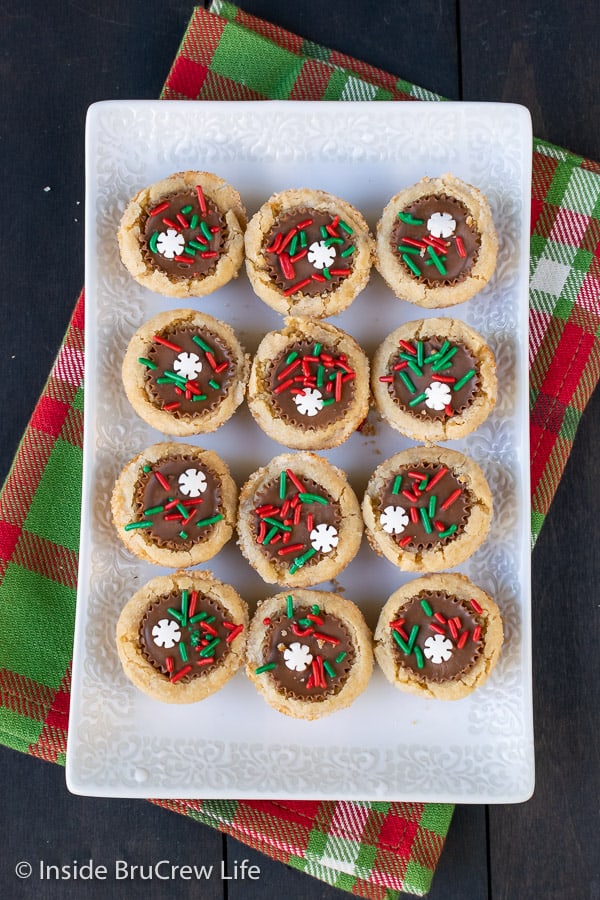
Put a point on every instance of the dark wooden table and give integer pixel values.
(57, 59)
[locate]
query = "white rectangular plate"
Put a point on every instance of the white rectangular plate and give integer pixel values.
(388, 745)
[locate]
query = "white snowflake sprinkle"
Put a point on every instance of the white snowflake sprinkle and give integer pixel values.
(309, 402)
(393, 519)
(192, 482)
(437, 648)
(320, 255)
(166, 633)
(438, 395)
(188, 365)
(324, 538)
(441, 225)
(170, 243)
(297, 657)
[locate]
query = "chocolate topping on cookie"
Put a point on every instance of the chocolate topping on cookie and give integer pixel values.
(437, 239)
(185, 634)
(309, 251)
(311, 385)
(433, 378)
(307, 652)
(295, 521)
(424, 505)
(437, 636)
(183, 235)
(188, 371)
(177, 502)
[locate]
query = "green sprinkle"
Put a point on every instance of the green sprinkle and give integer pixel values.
(147, 362)
(194, 221)
(205, 231)
(266, 668)
(183, 535)
(324, 232)
(410, 220)
(300, 560)
(276, 524)
(426, 521)
(315, 609)
(197, 245)
(291, 357)
(152, 242)
(320, 375)
(329, 402)
(437, 261)
(397, 484)
(416, 400)
(176, 614)
(348, 251)
(199, 617)
(181, 508)
(207, 651)
(463, 380)
(419, 657)
(448, 531)
(325, 272)
(173, 376)
(270, 534)
(426, 608)
(214, 385)
(147, 468)
(184, 604)
(183, 651)
(432, 506)
(438, 353)
(404, 248)
(305, 622)
(133, 525)
(198, 340)
(408, 382)
(303, 240)
(414, 367)
(443, 361)
(412, 637)
(402, 644)
(211, 521)
(186, 209)
(189, 251)
(340, 656)
(153, 510)
(282, 484)
(313, 498)
(329, 668)
(419, 353)
(423, 484)
(294, 245)
(333, 240)
(290, 606)
(195, 638)
(411, 265)
(345, 227)
(210, 619)
(197, 397)
(317, 349)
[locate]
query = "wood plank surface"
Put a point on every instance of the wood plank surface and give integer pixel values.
(57, 59)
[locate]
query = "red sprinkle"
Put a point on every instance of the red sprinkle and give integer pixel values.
(310, 523)
(414, 514)
(299, 632)
(186, 259)
(297, 484)
(274, 248)
(162, 481)
(169, 663)
(437, 477)
(220, 368)
(476, 606)
(436, 628)
(304, 224)
(169, 407)
(291, 548)
(201, 199)
(440, 617)
(262, 533)
(283, 386)
(289, 369)
(299, 255)
(287, 239)
(405, 541)
(450, 500)
(205, 660)
(316, 277)
(477, 633)
(460, 247)
(211, 360)
(180, 674)
(297, 287)
(193, 601)
(171, 224)
(340, 272)
(161, 340)
(286, 266)
(233, 634)
(158, 209)
(319, 636)
(182, 221)
(462, 640)
(453, 628)
(338, 387)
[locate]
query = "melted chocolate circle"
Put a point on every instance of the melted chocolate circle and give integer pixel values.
(313, 244)
(462, 245)
(183, 237)
(445, 630)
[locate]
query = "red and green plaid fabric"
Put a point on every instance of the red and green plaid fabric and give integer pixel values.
(370, 849)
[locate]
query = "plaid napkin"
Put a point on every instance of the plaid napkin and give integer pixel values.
(370, 849)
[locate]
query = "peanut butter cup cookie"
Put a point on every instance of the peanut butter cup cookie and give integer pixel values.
(175, 505)
(439, 637)
(308, 253)
(309, 385)
(299, 520)
(434, 380)
(436, 242)
(185, 372)
(309, 653)
(184, 236)
(427, 509)
(181, 637)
